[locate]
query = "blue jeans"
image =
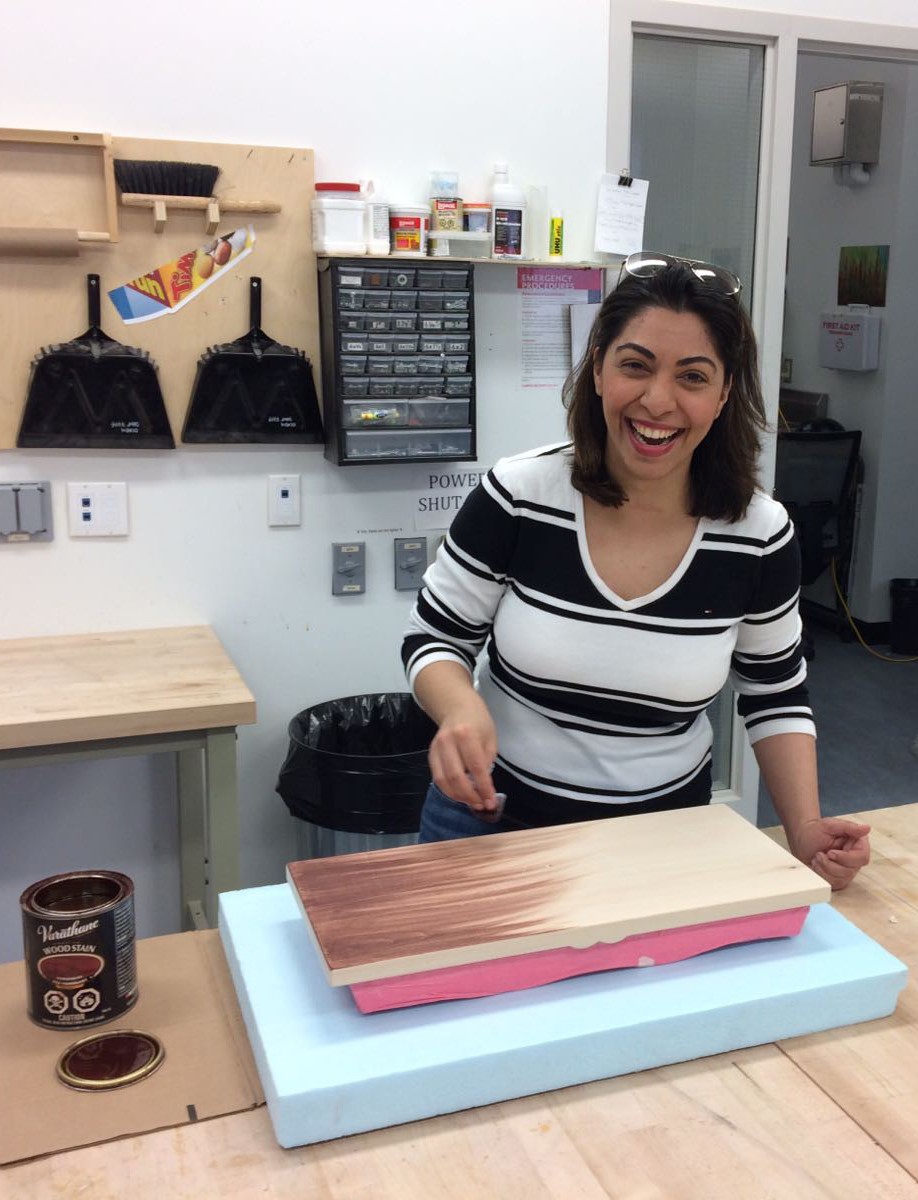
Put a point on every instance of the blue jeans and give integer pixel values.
(443, 819)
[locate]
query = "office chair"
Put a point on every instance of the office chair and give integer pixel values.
(816, 476)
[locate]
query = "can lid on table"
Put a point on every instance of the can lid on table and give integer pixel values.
(114, 1059)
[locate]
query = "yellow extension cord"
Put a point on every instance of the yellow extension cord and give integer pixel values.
(857, 632)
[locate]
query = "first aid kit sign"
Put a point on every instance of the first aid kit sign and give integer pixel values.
(849, 341)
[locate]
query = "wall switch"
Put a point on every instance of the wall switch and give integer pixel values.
(25, 512)
(283, 499)
(410, 563)
(97, 509)
(349, 576)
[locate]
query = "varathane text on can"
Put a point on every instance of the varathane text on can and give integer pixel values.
(78, 933)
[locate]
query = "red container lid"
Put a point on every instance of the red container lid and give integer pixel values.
(337, 187)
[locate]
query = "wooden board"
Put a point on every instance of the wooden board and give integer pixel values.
(419, 908)
(109, 685)
(43, 299)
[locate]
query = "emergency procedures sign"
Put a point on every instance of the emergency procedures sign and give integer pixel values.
(442, 493)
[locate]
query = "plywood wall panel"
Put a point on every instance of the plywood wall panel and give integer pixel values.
(43, 300)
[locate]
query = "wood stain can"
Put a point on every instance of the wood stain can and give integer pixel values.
(78, 935)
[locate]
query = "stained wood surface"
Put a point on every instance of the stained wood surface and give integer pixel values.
(109, 685)
(418, 908)
(751, 1123)
(43, 300)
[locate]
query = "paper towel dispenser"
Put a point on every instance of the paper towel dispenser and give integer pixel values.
(846, 123)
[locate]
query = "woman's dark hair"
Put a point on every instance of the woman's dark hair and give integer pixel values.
(722, 473)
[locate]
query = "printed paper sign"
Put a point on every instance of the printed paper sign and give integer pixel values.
(168, 288)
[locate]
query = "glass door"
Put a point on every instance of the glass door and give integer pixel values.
(696, 124)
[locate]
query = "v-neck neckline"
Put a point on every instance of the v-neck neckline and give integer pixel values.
(608, 592)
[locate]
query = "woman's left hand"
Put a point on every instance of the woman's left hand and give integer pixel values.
(834, 847)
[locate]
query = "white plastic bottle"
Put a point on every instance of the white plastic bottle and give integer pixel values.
(377, 220)
(509, 208)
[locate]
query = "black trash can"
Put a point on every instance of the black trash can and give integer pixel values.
(903, 616)
(356, 773)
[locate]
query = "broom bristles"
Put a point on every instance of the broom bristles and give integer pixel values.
(153, 178)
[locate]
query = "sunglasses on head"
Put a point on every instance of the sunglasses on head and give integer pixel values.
(646, 263)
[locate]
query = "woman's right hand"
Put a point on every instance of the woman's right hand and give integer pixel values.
(463, 752)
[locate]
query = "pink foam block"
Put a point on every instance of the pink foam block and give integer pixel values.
(521, 971)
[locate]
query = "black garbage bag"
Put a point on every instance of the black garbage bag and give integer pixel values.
(359, 764)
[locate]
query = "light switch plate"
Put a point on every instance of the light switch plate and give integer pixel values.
(349, 577)
(283, 500)
(410, 563)
(25, 512)
(97, 509)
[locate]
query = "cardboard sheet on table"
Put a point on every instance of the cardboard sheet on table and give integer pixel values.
(417, 908)
(187, 1000)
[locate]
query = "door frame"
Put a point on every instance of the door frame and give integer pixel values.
(784, 37)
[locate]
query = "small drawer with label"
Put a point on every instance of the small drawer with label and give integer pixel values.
(433, 385)
(455, 322)
(404, 343)
(430, 301)
(455, 301)
(377, 365)
(351, 322)
(445, 444)
(353, 344)
(377, 300)
(455, 364)
(402, 277)
(380, 343)
(403, 365)
(454, 278)
(375, 277)
(405, 301)
(365, 416)
(381, 387)
(378, 322)
(405, 322)
(376, 443)
(350, 298)
(456, 343)
(355, 385)
(407, 387)
(432, 343)
(428, 278)
(429, 364)
(457, 385)
(429, 412)
(353, 364)
(350, 277)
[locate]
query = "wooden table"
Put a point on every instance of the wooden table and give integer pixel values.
(831, 1115)
(141, 691)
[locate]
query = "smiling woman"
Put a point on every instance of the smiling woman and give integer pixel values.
(616, 583)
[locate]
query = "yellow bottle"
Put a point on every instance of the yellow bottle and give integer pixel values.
(556, 235)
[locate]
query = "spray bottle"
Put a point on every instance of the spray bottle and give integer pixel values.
(509, 204)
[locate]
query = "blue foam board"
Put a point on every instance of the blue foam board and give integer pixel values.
(329, 1070)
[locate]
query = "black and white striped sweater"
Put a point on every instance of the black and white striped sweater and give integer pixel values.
(600, 701)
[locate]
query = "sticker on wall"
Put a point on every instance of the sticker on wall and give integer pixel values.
(862, 272)
(168, 288)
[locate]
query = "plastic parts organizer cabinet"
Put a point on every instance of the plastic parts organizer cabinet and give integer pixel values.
(398, 360)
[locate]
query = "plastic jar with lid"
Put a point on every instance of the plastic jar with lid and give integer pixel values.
(339, 219)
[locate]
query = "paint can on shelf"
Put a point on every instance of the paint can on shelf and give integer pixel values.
(409, 225)
(78, 936)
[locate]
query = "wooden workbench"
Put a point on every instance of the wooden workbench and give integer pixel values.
(831, 1115)
(139, 692)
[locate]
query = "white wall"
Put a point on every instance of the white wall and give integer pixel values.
(388, 93)
(824, 217)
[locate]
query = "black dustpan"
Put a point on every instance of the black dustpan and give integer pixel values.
(93, 393)
(253, 390)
